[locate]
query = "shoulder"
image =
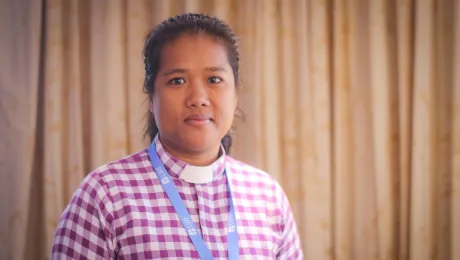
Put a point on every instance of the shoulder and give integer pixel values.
(242, 171)
(124, 171)
(131, 164)
(100, 189)
(126, 168)
(255, 179)
(258, 191)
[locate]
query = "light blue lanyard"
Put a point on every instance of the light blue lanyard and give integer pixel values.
(186, 219)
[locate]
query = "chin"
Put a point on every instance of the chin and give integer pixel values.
(198, 144)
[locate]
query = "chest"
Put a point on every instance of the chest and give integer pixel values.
(148, 227)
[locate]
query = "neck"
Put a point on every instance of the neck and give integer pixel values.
(196, 158)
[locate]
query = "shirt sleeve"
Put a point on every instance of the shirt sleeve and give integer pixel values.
(290, 248)
(83, 231)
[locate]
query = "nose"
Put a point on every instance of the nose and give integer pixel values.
(197, 96)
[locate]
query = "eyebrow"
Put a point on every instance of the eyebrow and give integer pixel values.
(172, 71)
(216, 69)
(182, 71)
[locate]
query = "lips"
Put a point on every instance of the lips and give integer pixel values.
(198, 120)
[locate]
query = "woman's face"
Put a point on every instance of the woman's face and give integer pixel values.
(194, 100)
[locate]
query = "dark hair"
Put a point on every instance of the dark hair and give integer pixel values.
(171, 29)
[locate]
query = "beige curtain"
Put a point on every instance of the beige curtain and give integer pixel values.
(353, 105)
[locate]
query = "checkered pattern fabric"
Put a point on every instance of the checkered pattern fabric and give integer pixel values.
(120, 211)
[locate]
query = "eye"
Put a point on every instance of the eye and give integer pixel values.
(214, 80)
(176, 81)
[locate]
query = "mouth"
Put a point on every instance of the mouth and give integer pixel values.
(198, 120)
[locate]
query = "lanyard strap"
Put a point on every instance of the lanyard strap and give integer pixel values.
(184, 215)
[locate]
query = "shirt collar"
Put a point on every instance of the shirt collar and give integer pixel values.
(181, 170)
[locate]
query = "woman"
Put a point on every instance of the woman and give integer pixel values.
(183, 197)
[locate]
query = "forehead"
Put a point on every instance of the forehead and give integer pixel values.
(194, 51)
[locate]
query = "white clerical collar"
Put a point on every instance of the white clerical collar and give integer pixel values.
(197, 174)
(187, 172)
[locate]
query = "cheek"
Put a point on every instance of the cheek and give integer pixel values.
(165, 110)
(227, 107)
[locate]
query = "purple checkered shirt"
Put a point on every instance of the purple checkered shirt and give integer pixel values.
(120, 211)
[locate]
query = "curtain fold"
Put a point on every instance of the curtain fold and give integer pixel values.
(20, 78)
(352, 105)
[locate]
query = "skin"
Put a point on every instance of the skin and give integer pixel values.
(195, 98)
